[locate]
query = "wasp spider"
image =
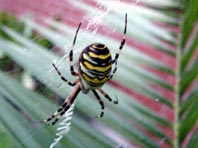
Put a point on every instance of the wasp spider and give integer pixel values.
(94, 69)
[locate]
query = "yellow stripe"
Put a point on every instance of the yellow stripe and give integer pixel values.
(99, 56)
(86, 57)
(91, 48)
(96, 47)
(95, 80)
(85, 70)
(102, 69)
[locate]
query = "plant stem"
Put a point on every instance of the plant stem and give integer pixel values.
(177, 99)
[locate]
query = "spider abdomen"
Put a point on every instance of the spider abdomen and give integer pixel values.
(95, 65)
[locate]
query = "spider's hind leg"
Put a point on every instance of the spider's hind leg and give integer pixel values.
(53, 119)
(101, 104)
(108, 97)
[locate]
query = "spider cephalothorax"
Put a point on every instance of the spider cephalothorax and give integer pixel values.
(94, 69)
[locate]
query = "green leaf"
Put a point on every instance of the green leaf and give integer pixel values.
(190, 18)
(189, 118)
(189, 53)
(188, 77)
(194, 140)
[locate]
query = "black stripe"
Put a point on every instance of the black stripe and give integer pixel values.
(100, 78)
(99, 73)
(96, 50)
(71, 55)
(94, 84)
(98, 45)
(122, 44)
(96, 71)
(99, 63)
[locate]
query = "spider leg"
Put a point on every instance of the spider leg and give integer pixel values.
(101, 104)
(53, 119)
(114, 70)
(107, 96)
(71, 53)
(120, 49)
(63, 78)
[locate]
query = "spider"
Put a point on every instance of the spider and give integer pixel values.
(94, 69)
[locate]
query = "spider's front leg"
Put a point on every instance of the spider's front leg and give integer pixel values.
(114, 61)
(114, 70)
(71, 53)
(63, 78)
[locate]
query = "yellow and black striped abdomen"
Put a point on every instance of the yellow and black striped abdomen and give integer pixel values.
(95, 65)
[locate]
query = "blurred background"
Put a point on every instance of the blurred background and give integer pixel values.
(156, 80)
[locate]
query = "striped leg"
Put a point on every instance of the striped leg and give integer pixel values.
(120, 48)
(114, 70)
(107, 96)
(63, 78)
(101, 104)
(71, 53)
(53, 119)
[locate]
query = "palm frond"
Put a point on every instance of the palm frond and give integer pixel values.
(156, 81)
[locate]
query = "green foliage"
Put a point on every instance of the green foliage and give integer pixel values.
(130, 122)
